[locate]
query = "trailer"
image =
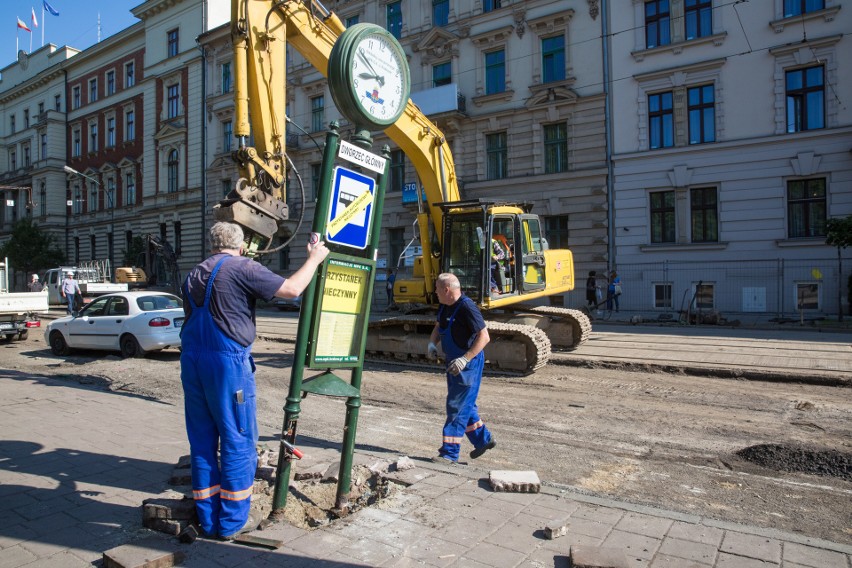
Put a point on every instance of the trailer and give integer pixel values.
(19, 311)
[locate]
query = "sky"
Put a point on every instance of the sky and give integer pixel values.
(75, 26)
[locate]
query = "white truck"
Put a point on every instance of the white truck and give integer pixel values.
(19, 311)
(93, 279)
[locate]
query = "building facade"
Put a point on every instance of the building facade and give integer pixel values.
(732, 135)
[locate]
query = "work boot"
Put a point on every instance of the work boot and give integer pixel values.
(492, 443)
(444, 460)
(254, 519)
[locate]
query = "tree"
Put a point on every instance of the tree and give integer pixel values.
(839, 234)
(30, 249)
(133, 252)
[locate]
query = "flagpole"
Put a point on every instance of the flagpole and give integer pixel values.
(17, 40)
(42, 24)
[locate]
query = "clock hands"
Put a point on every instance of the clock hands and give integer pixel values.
(376, 76)
(381, 80)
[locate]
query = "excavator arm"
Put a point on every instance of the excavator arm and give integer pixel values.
(261, 31)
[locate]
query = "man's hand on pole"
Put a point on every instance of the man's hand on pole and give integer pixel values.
(457, 365)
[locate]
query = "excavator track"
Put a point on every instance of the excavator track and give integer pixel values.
(555, 325)
(514, 349)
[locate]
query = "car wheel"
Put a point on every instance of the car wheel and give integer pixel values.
(130, 347)
(58, 346)
(23, 335)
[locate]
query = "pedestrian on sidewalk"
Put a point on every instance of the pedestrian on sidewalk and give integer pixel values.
(613, 291)
(69, 289)
(391, 278)
(34, 285)
(217, 373)
(591, 290)
(463, 336)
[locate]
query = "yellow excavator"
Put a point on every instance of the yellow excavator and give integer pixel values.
(497, 249)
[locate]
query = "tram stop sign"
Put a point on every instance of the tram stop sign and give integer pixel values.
(350, 210)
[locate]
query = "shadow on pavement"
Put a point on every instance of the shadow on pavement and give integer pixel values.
(85, 382)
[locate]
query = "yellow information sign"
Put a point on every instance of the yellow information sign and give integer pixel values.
(339, 331)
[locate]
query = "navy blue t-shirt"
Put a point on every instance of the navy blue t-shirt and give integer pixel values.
(239, 283)
(467, 323)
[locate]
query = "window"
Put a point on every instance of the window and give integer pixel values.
(699, 18)
(13, 160)
(705, 215)
(78, 204)
(397, 170)
(806, 208)
(177, 238)
(129, 74)
(315, 180)
(129, 125)
(350, 21)
(129, 189)
(76, 250)
(497, 153)
(172, 40)
(172, 172)
(663, 295)
(704, 296)
(226, 187)
(489, 5)
(173, 97)
(440, 12)
(805, 99)
(663, 217)
(110, 195)
(393, 13)
(93, 248)
(495, 72)
(284, 256)
(163, 231)
(93, 197)
(657, 30)
(226, 77)
(12, 124)
(317, 113)
(93, 90)
(555, 148)
(556, 231)
(93, 138)
(661, 120)
(227, 135)
(702, 114)
(41, 108)
(396, 244)
(75, 148)
(110, 83)
(75, 96)
(798, 7)
(553, 59)
(442, 74)
(807, 295)
(43, 137)
(26, 118)
(110, 141)
(128, 242)
(57, 103)
(42, 195)
(27, 156)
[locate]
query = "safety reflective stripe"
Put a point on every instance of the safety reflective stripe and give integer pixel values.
(198, 494)
(474, 426)
(236, 495)
(453, 439)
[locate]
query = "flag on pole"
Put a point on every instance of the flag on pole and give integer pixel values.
(23, 26)
(50, 8)
(35, 22)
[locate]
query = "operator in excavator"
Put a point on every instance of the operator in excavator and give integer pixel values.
(463, 336)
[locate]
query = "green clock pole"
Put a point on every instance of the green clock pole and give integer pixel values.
(292, 409)
(353, 404)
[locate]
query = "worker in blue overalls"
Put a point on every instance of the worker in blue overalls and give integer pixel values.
(217, 373)
(463, 336)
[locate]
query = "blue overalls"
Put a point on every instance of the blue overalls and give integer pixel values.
(219, 400)
(462, 390)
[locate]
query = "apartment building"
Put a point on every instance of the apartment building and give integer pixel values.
(732, 130)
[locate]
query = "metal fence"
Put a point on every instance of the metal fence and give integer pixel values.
(777, 287)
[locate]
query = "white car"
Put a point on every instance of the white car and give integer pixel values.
(134, 323)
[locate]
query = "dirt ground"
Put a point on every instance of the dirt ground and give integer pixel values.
(766, 454)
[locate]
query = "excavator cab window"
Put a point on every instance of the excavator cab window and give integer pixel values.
(533, 246)
(464, 256)
(502, 264)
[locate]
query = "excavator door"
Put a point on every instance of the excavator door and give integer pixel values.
(533, 245)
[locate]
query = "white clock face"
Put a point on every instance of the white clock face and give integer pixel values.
(378, 77)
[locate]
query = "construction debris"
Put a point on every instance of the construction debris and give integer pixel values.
(515, 481)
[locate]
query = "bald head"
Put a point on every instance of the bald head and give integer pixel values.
(448, 288)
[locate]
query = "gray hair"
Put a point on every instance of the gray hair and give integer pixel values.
(226, 236)
(448, 280)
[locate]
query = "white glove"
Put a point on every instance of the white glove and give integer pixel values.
(457, 365)
(432, 352)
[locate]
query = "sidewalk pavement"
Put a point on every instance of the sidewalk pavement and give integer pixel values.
(76, 464)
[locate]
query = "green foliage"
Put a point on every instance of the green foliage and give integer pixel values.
(132, 254)
(30, 249)
(839, 232)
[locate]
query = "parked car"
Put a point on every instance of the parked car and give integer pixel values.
(288, 304)
(134, 323)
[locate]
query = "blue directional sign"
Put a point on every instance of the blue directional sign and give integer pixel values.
(409, 193)
(351, 208)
